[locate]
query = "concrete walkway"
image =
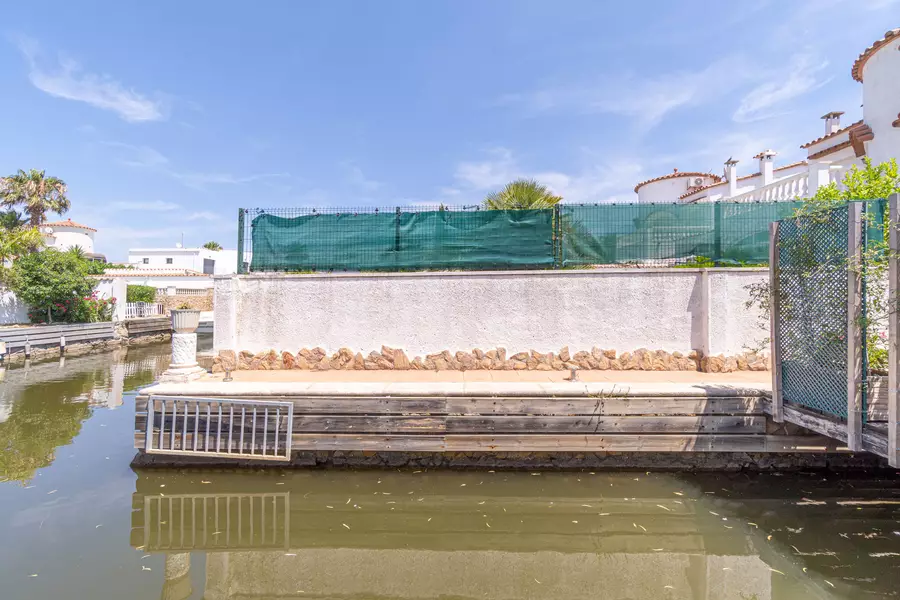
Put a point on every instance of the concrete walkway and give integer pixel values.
(471, 383)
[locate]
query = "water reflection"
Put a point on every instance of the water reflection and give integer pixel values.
(490, 535)
(43, 404)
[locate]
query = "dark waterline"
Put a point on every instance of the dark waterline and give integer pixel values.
(78, 522)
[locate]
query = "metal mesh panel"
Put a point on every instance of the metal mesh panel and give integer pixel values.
(393, 239)
(723, 232)
(812, 287)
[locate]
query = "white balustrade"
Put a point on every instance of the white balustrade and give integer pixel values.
(788, 188)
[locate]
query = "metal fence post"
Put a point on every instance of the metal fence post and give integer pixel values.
(893, 399)
(717, 233)
(774, 326)
(854, 327)
(240, 245)
(557, 233)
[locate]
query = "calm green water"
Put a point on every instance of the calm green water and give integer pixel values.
(77, 522)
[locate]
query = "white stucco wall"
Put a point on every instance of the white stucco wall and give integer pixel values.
(881, 101)
(667, 190)
(184, 258)
(114, 288)
(12, 311)
(64, 238)
(624, 309)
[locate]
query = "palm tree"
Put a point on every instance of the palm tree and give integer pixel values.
(19, 241)
(36, 193)
(521, 194)
(214, 246)
(11, 219)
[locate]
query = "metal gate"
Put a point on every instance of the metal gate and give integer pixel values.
(812, 297)
(255, 429)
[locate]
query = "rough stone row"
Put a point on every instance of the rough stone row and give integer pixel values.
(317, 359)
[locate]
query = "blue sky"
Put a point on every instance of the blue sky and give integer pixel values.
(164, 117)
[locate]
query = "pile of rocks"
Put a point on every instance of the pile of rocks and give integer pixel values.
(492, 360)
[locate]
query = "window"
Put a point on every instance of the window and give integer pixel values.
(146, 261)
(168, 261)
(209, 266)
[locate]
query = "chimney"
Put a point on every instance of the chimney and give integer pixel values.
(767, 166)
(832, 122)
(731, 176)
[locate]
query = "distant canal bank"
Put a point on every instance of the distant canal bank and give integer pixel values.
(79, 523)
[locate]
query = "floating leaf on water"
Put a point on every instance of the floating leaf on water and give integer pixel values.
(575, 521)
(535, 580)
(145, 556)
(776, 571)
(480, 503)
(348, 501)
(462, 485)
(657, 549)
(33, 575)
(754, 524)
(642, 527)
(143, 568)
(289, 554)
(714, 513)
(52, 492)
(587, 506)
(828, 582)
(203, 481)
(668, 587)
(429, 519)
(664, 508)
(678, 493)
(602, 514)
(326, 506)
(345, 525)
(769, 538)
(98, 526)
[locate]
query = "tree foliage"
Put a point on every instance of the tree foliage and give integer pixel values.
(18, 242)
(141, 293)
(872, 182)
(37, 194)
(522, 194)
(214, 246)
(57, 286)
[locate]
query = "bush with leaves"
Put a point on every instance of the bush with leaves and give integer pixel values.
(141, 293)
(57, 287)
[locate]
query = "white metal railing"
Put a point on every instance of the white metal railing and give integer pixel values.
(223, 427)
(192, 292)
(789, 188)
(135, 310)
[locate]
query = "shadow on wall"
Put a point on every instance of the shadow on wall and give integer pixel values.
(12, 311)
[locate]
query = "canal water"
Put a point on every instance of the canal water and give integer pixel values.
(77, 522)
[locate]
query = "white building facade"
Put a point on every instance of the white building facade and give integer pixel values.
(198, 260)
(67, 234)
(829, 157)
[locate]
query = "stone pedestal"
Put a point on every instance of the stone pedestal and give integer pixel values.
(184, 367)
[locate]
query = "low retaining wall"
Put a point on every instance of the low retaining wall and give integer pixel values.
(659, 319)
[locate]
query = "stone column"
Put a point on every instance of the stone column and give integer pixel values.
(178, 581)
(184, 367)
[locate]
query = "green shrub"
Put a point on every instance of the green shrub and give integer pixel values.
(57, 287)
(141, 293)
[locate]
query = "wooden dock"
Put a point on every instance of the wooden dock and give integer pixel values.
(243, 421)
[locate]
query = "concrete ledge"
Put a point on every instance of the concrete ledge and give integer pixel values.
(248, 389)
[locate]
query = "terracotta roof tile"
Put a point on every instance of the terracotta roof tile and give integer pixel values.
(831, 135)
(67, 223)
(830, 150)
(675, 175)
(857, 70)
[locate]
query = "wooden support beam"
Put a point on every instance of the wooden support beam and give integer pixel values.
(854, 326)
(893, 395)
(774, 328)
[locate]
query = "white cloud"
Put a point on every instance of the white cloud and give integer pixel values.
(203, 216)
(147, 158)
(602, 183)
(800, 77)
(645, 99)
(359, 180)
(68, 80)
(152, 206)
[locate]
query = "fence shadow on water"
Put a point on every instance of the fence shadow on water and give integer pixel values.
(469, 238)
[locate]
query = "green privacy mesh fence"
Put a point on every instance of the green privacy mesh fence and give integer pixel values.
(371, 239)
(812, 279)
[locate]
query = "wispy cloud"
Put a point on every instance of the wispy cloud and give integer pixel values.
(800, 77)
(601, 183)
(67, 79)
(647, 100)
(359, 180)
(153, 206)
(147, 158)
(203, 216)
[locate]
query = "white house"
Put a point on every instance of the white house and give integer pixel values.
(876, 135)
(200, 260)
(67, 234)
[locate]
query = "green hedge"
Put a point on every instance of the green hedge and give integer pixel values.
(141, 293)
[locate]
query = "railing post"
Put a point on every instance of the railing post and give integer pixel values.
(717, 233)
(854, 326)
(774, 326)
(240, 245)
(893, 399)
